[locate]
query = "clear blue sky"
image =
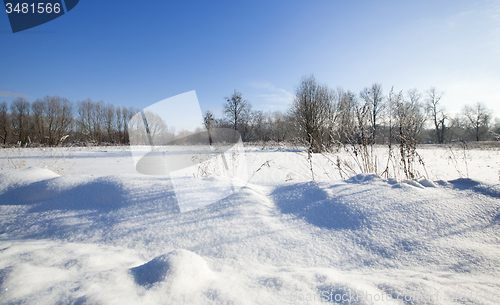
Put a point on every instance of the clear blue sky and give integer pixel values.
(136, 53)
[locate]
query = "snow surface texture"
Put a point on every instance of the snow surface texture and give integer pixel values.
(104, 234)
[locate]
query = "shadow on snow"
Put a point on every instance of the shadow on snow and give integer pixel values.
(308, 201)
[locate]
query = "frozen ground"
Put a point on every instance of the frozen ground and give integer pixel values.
(101, 233)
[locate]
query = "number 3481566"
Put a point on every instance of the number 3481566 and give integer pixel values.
(40, 8)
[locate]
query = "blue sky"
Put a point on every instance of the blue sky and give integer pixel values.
(136, 53)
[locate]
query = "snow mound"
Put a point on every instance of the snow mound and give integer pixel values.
(314, 204)
(466, 184)
(413, 183)
(64, 193)
(427, 183)
(25, 176)
(183, 271)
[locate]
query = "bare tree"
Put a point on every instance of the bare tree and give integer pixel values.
(92, 119)
(20, 110)
(496, 129)
(311, 110)
(373, 98)
(237, 111)
(39, 111)
(84, 121)
(259, 130)
(109, 121)
(156, 128)
(209, 122)
(4, 122)
(346, 116)
(52, 116)
(279, 126)
(127, 114)
(119, 124)
(477, 119)
(436, 113)
(99, 120)
(64, 118)
(406, 122)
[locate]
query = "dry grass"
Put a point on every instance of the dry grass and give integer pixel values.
(53, 159)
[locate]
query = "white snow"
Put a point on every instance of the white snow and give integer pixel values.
(101, 233)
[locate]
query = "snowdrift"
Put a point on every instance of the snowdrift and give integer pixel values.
(366, 240)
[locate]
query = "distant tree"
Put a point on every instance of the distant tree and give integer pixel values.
(363, 129)
(259, 130)
(477, 119)
(156, 128)
(53, 110)
(436, 113)
(279, 126)
(109, 121)
(127, 114)
(237, 111)
(406, 119)
(99, 120)
(346, 116)
(4, 122)
(20, 112)
(84, 121)
(119, 124)
(209, 122)
(92, 119)
(59, 114)
(456, 129)
(412, 114)
(39, 113)
(496, 129)
(52, 118)
(373, 98)
(311, 110)
(64, 118)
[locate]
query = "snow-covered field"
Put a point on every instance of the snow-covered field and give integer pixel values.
(82, 226)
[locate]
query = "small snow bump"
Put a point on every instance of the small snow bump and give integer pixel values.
(26, 176)
(363, 178)
(181, 269)
(427, 183)
(413, 183)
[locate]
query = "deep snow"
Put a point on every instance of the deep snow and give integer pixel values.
(102, 233)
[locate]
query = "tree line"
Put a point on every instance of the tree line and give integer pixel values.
(319, 117)
(53, 120)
